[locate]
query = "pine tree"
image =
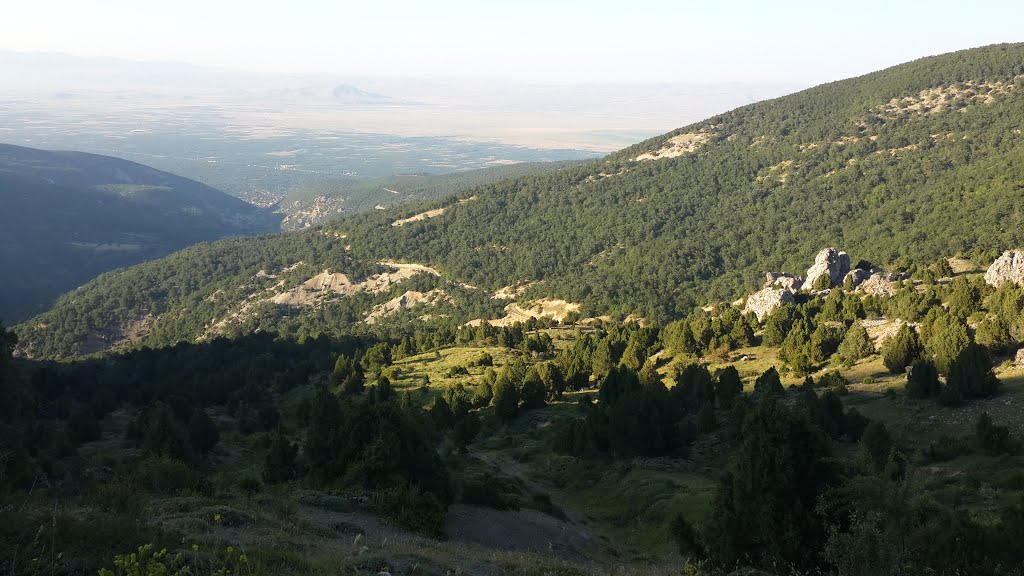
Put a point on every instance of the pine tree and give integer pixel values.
(441, 414)
(694, 387)
(505, 400)
(602, 361)
(728, 386)
(778, 325)
(280, 465)
(769, 383)
(855, 345)
(325, 422)
(619, 382)
(923, 380)
(202, 432)
(765, 508)
(551, 375)
(484, 394)
(532, 392)
(900, 350)
(348, 376)
(877, 443)
(649, 377)
(947, 342)
(971, 374)
(635, 355)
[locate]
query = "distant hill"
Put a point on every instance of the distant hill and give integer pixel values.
(68, 216)
(912, 163)
(322, 202)
(351, 95)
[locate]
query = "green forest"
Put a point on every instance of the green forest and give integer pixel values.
(798, 444)
(560, 373)
(774, 183)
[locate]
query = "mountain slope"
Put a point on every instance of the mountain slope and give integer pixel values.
(876, 164)
(69, 216)
(915, 162)
(322, 202)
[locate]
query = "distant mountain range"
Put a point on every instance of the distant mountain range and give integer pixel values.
(348, 94)
(67, 217)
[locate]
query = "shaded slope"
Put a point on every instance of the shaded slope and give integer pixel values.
(69, 216)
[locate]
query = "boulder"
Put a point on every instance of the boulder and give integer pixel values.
(1019, 360)
(829, 261)
(857, 276)
(1007, 268)
(762, 302)
(784, 281)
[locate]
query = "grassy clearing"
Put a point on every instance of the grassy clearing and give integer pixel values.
(407, 372)
(634, 505)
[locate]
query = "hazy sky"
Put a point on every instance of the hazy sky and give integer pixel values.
(547, 40)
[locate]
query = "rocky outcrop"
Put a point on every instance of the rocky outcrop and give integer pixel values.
(1007, 268)
(881, 283)
(881, 329)
(1019, 360)
(857, 276)
(764, 301)
(829, 261)
(410, 299)
(784, 281)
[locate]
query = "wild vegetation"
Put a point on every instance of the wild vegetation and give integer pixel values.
(845, 432)
(660, 434)
(318, 202)
(773, 183)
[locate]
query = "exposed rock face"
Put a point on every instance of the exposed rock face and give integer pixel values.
(829, 261)
(881, 284)
(857, 276)
(762, 302)
(1007, 268)
(784, 281)
(881, 329)
(1019, 360)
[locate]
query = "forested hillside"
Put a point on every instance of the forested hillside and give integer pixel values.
(321, 202)
(915, 162)
(67, 217)
(912, 163)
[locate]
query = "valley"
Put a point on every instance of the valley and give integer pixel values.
(786, 339)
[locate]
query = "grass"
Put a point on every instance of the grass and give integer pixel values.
(634, 505)
(407, 372)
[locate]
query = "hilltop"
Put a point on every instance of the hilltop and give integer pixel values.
(875, 164)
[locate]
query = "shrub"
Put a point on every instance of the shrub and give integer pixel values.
(457, 371)
(414, 509)
(832, 379)
(993, 438)
(250, 484)
(877, 443)
(490, 490)
(166, 475)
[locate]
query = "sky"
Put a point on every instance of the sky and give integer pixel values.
(526, 40)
